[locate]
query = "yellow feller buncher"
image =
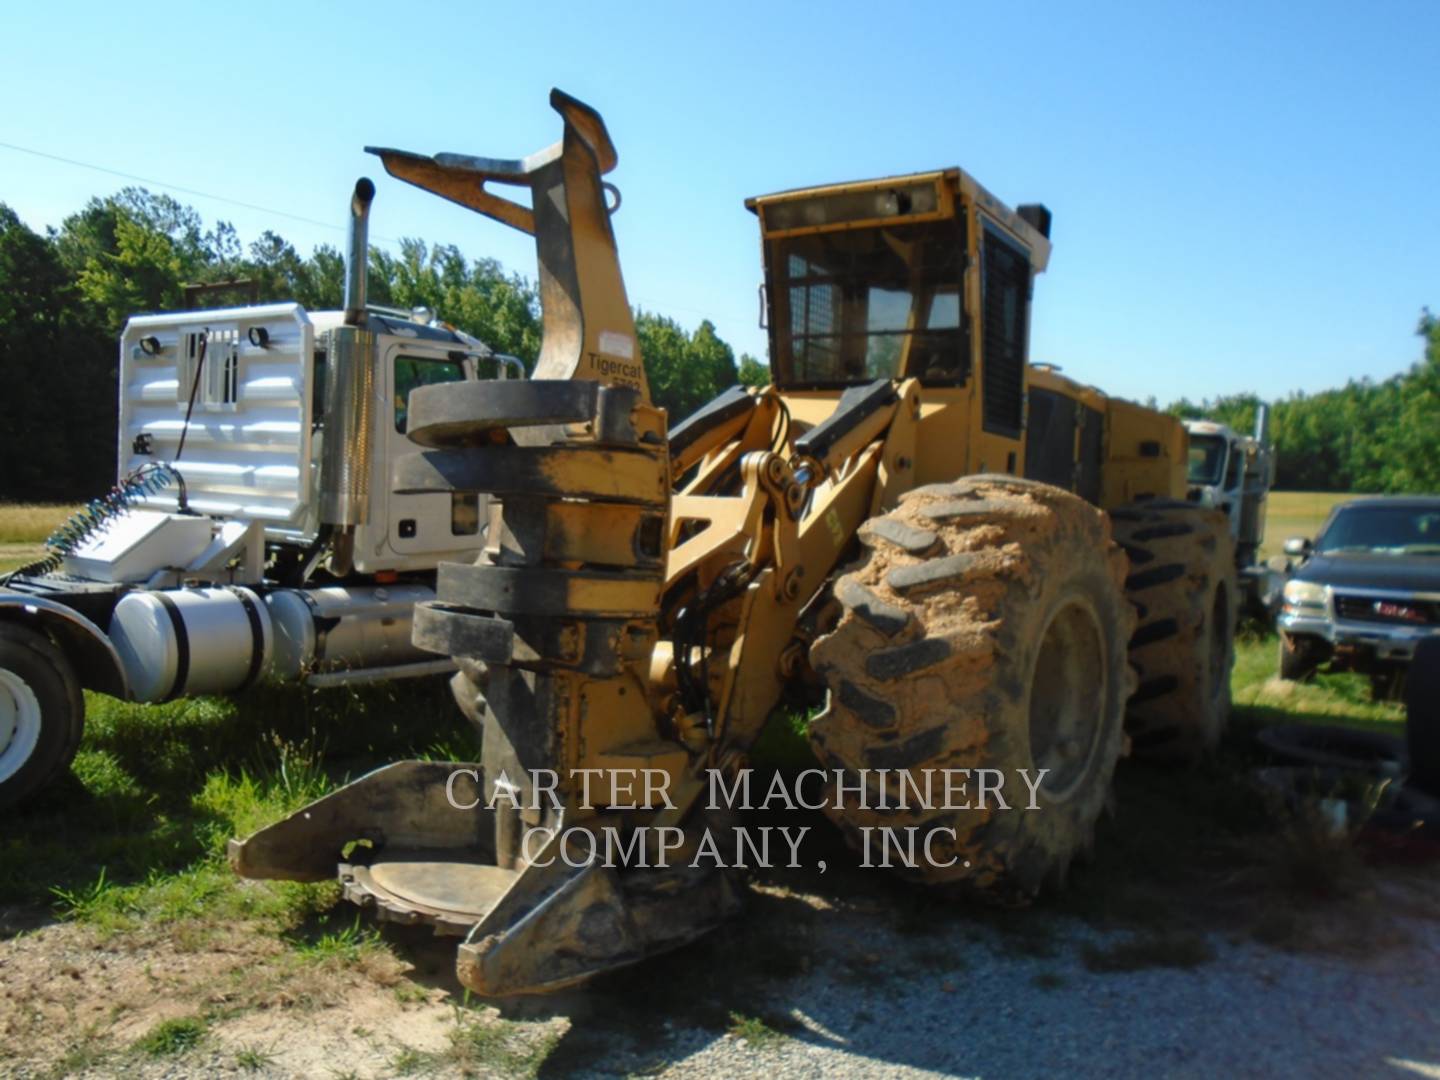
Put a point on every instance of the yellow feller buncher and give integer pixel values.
(972, 561)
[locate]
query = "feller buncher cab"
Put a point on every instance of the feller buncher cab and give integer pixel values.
(906, 529)
(930, 278)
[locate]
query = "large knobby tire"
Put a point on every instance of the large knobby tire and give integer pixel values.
(1182, 582)
(985, 628)
(42, 712)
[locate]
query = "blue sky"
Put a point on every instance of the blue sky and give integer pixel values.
(1246, 196)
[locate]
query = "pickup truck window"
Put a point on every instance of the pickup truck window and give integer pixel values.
(1386, 530)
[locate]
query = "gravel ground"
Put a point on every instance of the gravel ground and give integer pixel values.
(852, 989)
(1252, 1011)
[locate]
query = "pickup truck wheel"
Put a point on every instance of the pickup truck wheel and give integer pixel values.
(1298, 658)
(42, 712)
(985, 631)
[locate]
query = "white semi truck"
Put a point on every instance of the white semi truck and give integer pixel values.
(255, 531)
(1233, 473)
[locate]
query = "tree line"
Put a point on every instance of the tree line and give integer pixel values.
(66, 293)
(1365, 436)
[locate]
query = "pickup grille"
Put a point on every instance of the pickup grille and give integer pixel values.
(1385, 609)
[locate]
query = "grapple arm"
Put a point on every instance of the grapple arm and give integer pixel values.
(589, 331)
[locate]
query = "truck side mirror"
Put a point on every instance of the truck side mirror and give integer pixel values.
(1297, 545)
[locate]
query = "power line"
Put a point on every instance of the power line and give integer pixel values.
(180, 188)
(260, 209)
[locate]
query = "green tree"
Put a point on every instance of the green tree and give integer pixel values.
(752, 372)
(1366, 436)
(321, 284)
(502, 310)
(1416, 461)
(57, 413)
(145, 272)
(684, 370)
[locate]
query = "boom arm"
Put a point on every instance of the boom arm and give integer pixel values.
(589, 331)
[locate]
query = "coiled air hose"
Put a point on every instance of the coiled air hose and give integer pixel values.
(90, 519)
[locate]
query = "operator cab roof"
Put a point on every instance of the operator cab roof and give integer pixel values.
(926, 196)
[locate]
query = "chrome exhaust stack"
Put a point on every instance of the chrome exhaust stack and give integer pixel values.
(357, 256)
(348, 451)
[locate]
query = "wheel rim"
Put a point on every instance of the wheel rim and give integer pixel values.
(1067, 698)
(1219, 644)
(19, 723)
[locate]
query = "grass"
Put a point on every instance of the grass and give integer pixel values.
(1261, 697)
(759, 1033)
(346, 945)
(24, 528)
(31, 523)
(137, 834)
(497, 1044)
(481, 1046)
(171, 1037)
(253, 1059)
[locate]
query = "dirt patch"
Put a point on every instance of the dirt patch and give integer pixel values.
(77, 1001)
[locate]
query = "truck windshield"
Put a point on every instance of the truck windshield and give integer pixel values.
(1207, 459)
(863, 304)
(1385, 530)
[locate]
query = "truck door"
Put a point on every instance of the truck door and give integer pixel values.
(430, 522)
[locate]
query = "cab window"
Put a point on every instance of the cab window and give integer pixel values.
(1207, 459)
(856, 305)
(413, 371)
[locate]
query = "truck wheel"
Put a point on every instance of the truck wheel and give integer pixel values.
(984, 629)
(1182, 583)
(42, 712)
(1298, 658)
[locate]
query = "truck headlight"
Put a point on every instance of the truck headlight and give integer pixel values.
(1304, 594)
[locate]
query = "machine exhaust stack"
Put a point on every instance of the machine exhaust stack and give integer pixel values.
(348, 448)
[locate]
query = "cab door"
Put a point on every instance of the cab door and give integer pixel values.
(428, 523)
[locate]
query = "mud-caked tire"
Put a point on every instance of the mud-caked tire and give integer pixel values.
(1182, 582)
(984, 628)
